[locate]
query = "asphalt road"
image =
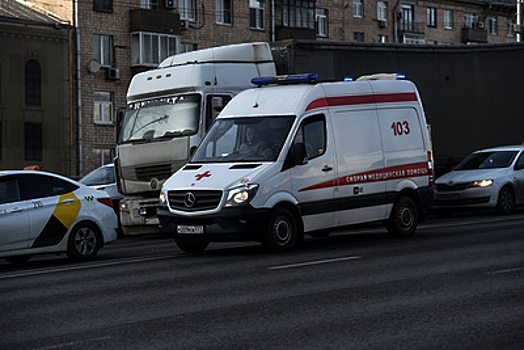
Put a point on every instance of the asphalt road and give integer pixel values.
(457, 284)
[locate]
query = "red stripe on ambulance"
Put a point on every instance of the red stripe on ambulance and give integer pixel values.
(361, 99)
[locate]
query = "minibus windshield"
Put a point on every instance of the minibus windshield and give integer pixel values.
(161, 118)
(252, 139)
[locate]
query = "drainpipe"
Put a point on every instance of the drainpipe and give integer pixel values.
(519, 21)
(273, 21)
(395, 20)
(78, 91)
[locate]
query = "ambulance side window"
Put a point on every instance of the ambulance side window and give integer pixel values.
(34, 186)
(312, 133)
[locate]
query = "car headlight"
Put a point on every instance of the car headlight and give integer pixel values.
(163, 198)
(481, 183)
(241, 195)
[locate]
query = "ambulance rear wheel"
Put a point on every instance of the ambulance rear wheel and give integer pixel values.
(191, 246)
(84, 242)
(404, 218)
(282, 231)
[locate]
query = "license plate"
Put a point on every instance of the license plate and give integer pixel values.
(152, 221)
(190, 229)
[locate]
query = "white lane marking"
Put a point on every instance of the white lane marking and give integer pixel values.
(317, 262)
(73, 344)
(86, 266)
(498, 272)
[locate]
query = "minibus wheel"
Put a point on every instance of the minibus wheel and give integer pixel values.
(403, 219)
(282, 231)
(191, 246)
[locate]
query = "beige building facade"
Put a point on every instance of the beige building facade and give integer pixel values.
(117, 39)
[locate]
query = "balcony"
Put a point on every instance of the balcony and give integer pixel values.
(142, 20)
(474, 35)
(411, 27)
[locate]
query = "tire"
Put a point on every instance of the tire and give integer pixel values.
(19, 259)
(191, 246)
(403, 220)
(282, 231)
(84, 242)
(506, 202)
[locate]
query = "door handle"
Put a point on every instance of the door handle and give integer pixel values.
(16, 210)
(327, 168)
(68, 201)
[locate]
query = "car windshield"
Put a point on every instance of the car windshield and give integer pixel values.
(244, 140)
(487, 160)
(161, 118)
(100, 176)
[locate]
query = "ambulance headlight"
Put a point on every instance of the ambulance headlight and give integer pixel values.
(241, 195)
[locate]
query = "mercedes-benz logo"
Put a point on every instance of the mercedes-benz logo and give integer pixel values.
(189, 199)
(153, 184)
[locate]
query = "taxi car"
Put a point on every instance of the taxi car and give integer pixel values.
(104, 179)
(41, 212)
(491, 178)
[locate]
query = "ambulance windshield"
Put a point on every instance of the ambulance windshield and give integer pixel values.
(161, 118)
(244, 140)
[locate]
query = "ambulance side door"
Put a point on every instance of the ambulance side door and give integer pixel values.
(14, 218)
(313, 183)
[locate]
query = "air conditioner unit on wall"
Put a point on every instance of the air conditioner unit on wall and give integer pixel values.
(170, 4)
(184, 24)
(113, 74)
(382, 24)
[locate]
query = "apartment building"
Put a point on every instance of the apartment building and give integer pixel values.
(116, 39)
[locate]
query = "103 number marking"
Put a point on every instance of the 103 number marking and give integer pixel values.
(400, 128)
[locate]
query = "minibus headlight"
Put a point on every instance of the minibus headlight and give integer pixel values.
(481, 183)
(241, 195)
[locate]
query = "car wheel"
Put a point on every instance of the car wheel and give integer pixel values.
(84, 242)
(506, 203)
(19, 259)
(282, 232)
(404, 218)
(191, 246)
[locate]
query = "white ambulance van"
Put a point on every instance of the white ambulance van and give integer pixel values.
(295, 156)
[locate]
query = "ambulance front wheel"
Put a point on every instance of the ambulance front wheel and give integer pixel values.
(404, 217)
(282, 231)
(84, 242)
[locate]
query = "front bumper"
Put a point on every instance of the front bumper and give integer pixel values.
(465, 198)
(230, 224)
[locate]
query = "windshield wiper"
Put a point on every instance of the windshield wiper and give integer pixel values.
(164, 117)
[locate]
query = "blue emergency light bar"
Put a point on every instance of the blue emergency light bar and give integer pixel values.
(286, 79)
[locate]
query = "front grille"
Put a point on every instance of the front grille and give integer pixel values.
(160, 172)
(454, 187)
(200, 200)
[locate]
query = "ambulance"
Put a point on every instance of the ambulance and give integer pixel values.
(324, 156)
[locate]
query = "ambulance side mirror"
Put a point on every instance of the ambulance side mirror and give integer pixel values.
(299, 154)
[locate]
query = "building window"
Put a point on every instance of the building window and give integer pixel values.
(103, 108)
(224, 13)
(186, 9)
(33, 141)
(432, 17)
(383, 39)
(33, 83)
(469, 20)
(358, 37)
(149, 49)
(103, 5)
(321, 19)
(358, 8)
(382, 11)
(103, 49)
(103, 156)
(187, 47)
(431, 42)
(510, 28)
(256, 14)
(407, 21)
(298, 14)
(149, 4)
(448, 19)
(493, 26)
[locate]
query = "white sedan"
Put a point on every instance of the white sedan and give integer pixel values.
(42, 212)
(491, 178)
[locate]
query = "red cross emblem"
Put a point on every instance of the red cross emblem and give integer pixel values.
(201, 176)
